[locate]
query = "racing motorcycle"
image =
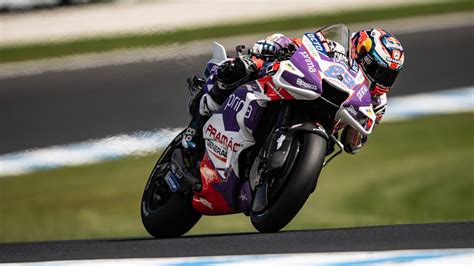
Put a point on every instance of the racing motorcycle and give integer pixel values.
(265, 147)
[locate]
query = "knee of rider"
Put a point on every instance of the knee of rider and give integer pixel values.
(207, 105)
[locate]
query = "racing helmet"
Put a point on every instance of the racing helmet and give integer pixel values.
(380, 55)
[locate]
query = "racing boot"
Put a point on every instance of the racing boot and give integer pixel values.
(192, 139)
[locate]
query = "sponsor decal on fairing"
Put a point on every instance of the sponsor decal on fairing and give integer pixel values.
(205, 203)
(172, 182)
(314, 41)
(340, 74)
(209, 174)
(362, 92)
(311, 48)
(221, 138)
(309, 62)
(351, 110)
(280, 141)
(320, 36)
(305, 85)
(340, 58)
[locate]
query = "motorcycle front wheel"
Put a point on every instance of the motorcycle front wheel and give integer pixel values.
(300, 184)
(164, 213)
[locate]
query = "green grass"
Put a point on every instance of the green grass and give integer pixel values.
(99, 44)
(418, 171)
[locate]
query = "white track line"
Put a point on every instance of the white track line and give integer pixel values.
(143, 143)
(93, 151)
(441, 102)
(401, 257)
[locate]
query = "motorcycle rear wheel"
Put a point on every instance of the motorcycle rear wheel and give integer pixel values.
(301, 184)
(164, 213)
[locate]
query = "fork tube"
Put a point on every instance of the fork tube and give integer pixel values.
(284, 115)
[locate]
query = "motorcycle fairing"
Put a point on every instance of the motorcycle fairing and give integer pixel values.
(227, 133)
(302, 77)
(217, 195)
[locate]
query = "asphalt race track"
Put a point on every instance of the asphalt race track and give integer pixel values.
(377, 238)
(65, 107)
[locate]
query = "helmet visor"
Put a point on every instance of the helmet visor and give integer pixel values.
(385, 77)
(380, 74)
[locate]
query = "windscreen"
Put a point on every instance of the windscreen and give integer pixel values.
(338, 33)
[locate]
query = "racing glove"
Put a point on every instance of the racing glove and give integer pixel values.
(263, 49)
(272, 46)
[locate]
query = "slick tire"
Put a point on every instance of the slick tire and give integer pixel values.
(175, 215)
(301, 184)
(173, 219)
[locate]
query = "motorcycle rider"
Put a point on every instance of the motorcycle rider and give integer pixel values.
(380, 56)
(378, 53)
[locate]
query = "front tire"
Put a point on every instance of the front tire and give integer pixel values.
(173, 219)
(301, 184)
(164, 213)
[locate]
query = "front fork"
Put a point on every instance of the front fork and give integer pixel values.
(278, 154)
(284, 120)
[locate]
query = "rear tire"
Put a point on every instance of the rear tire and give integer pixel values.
(301, 184)
(164, 213)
